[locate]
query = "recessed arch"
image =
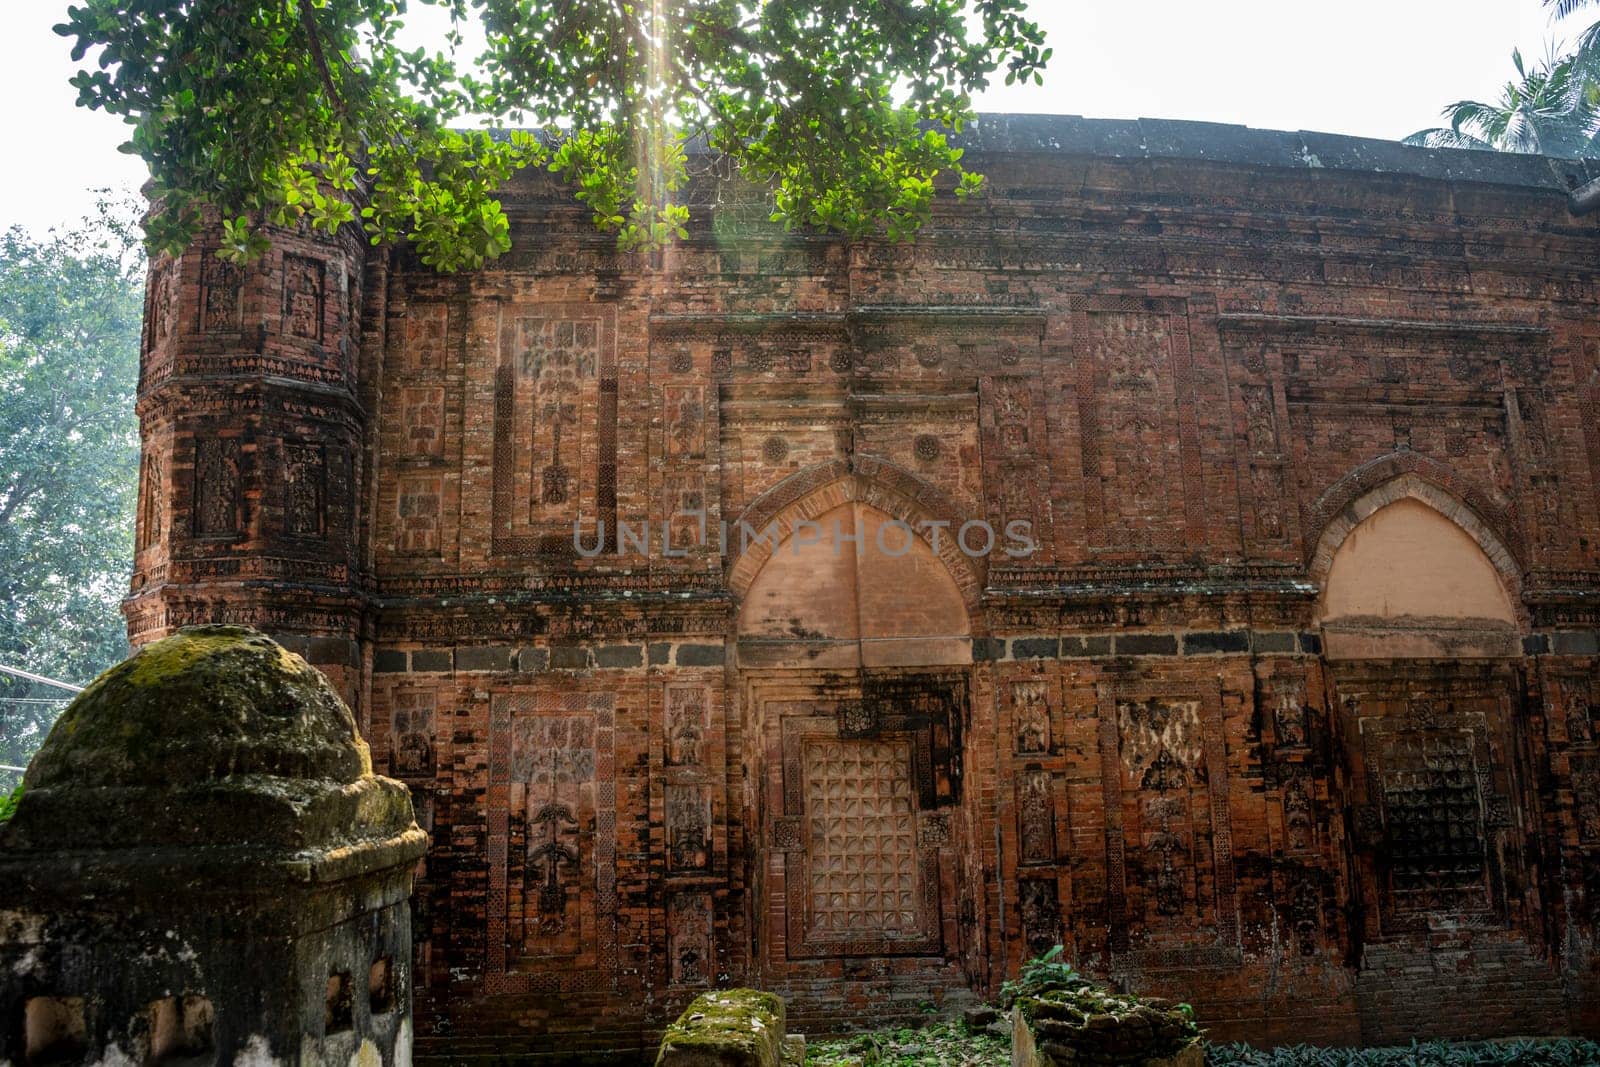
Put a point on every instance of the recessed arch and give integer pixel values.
(1443, 486)
(1408, 571)
(847, 577)
(810, 492)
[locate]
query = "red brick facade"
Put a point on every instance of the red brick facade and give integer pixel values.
(1223, 733)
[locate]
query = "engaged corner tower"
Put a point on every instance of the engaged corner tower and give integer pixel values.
(252, 425)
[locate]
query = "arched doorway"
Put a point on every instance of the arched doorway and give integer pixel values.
(1422, 632)
(854, 657)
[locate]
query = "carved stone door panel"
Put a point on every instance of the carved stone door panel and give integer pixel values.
(857, 794)
(859, 885)
(1431, 821)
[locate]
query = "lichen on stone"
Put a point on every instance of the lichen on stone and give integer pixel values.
(1091, 1025)
(732, 1027)
(206, 703)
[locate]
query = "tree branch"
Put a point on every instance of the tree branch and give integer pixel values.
(308, 19)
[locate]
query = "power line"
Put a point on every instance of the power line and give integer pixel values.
(41, 679)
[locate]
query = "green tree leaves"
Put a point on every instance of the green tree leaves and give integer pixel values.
(69, 452)
(69, 443)
(286, 111)
(1551, 108)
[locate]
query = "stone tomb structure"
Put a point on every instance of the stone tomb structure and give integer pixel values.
(1275, 691)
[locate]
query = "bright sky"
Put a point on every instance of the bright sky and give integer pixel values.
(1377, 68)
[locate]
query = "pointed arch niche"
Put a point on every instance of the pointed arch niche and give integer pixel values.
(1408, 572)
(850, 586)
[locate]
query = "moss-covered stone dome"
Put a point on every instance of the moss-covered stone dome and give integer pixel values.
(207, 703)
(205, 746)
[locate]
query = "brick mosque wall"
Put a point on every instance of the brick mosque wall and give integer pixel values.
(1287, 710)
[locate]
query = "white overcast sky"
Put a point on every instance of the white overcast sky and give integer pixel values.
(1376, 68)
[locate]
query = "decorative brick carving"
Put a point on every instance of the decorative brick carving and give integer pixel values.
(864, 867)
(422, 420)
(1166, 773)
(688, 828)
(1433, 820)
(1030, 711)
(1261, 425)
(684, 505)
(690, 952)
(1305, 915)
(685, 422)
(687, 722)
(1041, 915)
(305, 490)
(553, 759)
(411, 732)
(217, 486)
(1036, 817)
(554, 424)
(421, 505)
(304, 297)
(426, 327)
(152, 500)
(1131, 454)
(221, 295)
(1586, 797)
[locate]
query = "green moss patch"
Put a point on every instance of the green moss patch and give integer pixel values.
(726, 1028)
(207, 703)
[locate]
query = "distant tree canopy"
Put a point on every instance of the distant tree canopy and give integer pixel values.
(69, 451)
(267, 110)
(1551, 108)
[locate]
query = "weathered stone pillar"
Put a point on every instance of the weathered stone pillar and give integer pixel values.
(204, 869)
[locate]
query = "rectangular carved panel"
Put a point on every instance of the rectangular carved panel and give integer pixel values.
(691, 956)
(1170, 877)
(221, 289)
(1131, 454)
(421, 505)
(305, 490)
(864, 874)
(425, 331)
(1030, 715)
(217, 485)
(152, 501)
(422, 420)
(304, 293)
(1036, 816)
(552, 839)
(554, 425)
(411, 733)
(686, 723)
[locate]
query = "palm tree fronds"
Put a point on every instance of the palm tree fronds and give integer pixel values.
(1560, 9)
(1444, 137)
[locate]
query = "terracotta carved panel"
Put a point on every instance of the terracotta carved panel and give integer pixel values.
(1170, 839)
(552, 842)
(304, 295)
(411, 733)
(1130, 409)
(864, 871)
(555, 427)
(217, 487)
(691, 959)
(1030, 711)
(221, 295)
(305, 490)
